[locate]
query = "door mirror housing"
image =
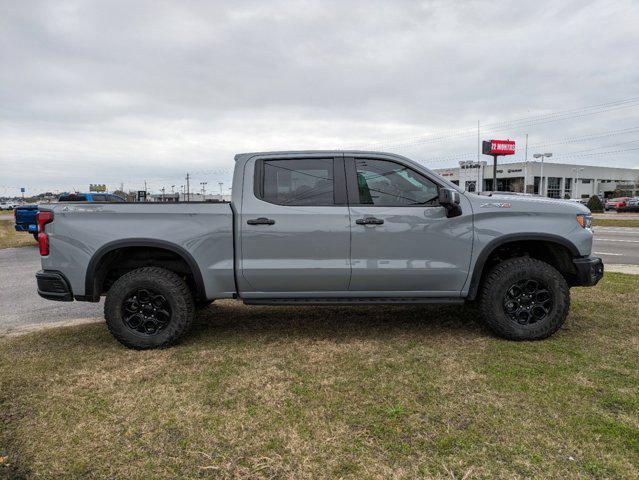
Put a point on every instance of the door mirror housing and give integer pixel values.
(449, 199)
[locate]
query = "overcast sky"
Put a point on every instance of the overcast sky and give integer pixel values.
(111, 92)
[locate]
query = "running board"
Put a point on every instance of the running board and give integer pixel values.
(354, 301)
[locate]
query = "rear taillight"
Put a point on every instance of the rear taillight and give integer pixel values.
(43, 239)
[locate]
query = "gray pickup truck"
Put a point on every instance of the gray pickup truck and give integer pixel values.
(320, 227)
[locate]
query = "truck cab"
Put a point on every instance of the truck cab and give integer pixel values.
(321, 227)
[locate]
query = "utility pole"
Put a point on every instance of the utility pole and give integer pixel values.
(172, 189)
(188, 191)
(479, 187)
(145, 191)
(526, 165)
(162, 194)
(220, 184)
(203, 187)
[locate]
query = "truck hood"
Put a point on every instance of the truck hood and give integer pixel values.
(524, 203)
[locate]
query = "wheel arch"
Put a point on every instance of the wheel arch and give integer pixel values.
(482, 264)
(92, 285)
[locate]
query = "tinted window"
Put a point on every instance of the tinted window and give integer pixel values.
(115, 199)
(72, 198)
(389, 184)
(298, 182)
(99, 198)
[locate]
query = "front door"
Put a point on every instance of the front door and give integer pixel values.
(295, 227)
(402, 242)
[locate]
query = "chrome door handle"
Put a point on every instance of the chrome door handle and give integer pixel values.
(369, 221)
(261, 221)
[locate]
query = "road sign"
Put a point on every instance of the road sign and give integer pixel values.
(498, 147)
(22, 189)
(141, 195)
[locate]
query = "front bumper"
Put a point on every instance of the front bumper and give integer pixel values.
(53, 285)
(589, 271)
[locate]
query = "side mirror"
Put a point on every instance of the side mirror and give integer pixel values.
(449, 199)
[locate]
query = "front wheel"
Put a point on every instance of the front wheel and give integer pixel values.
(149, 307)
(524, 299)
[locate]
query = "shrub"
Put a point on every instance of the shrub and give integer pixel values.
(594, 204)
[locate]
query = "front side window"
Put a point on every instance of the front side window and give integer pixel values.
(298, 182)
(389, 184)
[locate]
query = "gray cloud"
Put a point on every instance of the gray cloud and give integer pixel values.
(127, 91)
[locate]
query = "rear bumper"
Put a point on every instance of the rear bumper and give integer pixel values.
(589, 271)
(53, 285)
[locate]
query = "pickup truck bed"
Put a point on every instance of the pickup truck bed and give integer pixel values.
(85, 237)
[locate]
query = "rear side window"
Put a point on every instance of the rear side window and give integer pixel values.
(389, 184)
(297, 182)
(72, 198)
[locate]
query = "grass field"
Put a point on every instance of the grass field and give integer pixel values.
(10, 238)
(369, 392)
(613, 222)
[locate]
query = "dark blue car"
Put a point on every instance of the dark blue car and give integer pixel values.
(25, 215)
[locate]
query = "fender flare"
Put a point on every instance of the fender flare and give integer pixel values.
(89, 279)
(478, 269)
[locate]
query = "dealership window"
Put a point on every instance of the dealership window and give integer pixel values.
(568, 186)
(536, 186)
(554, 187)
(299, 182)
(471, 186)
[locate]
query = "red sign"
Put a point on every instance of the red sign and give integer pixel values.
(499, 147)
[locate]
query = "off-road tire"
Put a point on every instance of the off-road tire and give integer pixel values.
(174, 290)
(500, 279)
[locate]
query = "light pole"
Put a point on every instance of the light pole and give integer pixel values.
(541, 174)
(577, 179)
(220, 184)
(203, 187)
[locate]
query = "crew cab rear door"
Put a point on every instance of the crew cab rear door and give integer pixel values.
(402, 242)
(294, 226)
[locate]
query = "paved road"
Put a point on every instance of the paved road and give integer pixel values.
(617, 245)
(21, 306)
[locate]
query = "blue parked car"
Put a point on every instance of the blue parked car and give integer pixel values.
(25, 215)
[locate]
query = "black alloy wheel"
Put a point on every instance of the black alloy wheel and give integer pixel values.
(146, 311)
(528, 301)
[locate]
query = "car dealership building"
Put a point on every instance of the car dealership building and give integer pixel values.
(560, 179)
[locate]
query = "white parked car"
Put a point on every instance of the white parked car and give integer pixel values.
(8, 205)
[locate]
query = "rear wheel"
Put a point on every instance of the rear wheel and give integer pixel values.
(524, 299)
(148, 307)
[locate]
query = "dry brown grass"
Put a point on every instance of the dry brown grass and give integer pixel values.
(383, 392)
(10, 238)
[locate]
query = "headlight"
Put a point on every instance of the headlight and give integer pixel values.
(585, 220)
